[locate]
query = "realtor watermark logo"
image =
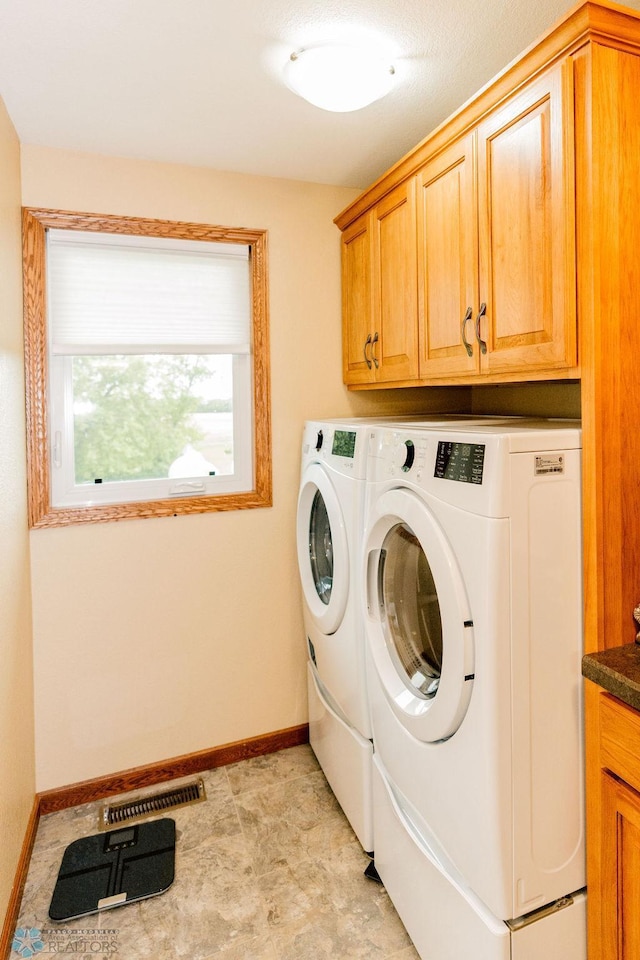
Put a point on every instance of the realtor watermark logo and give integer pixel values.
(27, 941)
(30, 941)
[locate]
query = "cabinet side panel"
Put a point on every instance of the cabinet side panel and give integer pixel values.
(608, 201)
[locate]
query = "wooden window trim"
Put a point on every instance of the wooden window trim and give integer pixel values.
(35, 222)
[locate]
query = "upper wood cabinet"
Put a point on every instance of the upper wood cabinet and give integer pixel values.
(448, 262)
(379, 291)
(357, 300)
(494, 241)
(526, 225)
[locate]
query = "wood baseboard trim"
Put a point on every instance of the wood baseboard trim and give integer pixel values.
(13, 908)
(138, 777)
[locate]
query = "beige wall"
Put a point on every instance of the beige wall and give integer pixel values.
(155, 638)
(17, 782)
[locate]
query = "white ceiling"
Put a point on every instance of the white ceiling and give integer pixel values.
(200, 81)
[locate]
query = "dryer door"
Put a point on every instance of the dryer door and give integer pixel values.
(323, 553)
(420, 629)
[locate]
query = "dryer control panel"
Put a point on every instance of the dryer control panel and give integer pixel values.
(459, 461)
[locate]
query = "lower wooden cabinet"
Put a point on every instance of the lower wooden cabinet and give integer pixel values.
(613, 823)
(620, 879)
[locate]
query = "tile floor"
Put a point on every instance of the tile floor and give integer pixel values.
(267, 868)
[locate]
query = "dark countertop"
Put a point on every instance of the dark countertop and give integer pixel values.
(617, 670)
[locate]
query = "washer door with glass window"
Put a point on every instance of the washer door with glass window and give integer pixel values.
(420, 630)
(323, 552)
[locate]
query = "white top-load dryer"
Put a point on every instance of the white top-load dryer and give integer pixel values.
(473, 585)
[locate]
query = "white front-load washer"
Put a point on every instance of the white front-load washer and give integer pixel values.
(472, 566)
(329, 542)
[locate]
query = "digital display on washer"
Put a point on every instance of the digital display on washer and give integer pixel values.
(460, 461)
(344, 443)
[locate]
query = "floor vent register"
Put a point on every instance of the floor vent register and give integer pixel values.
(137, 808)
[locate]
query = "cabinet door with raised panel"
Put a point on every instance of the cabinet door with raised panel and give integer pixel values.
(448, 263)
(357, 304)
(620, 879)
(395, 290)
(526, 229)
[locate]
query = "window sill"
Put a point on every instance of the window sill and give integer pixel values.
(41, 516)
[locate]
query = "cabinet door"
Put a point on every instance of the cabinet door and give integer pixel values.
(448, 263)
(357, 304)
(526, 229)
(395, 291)
(620, 881)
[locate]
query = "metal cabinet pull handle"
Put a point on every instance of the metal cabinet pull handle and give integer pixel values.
(366, 358)
(468, 346)
(373, 351)
(481, 314)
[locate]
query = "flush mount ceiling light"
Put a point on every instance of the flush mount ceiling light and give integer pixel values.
(339, 76)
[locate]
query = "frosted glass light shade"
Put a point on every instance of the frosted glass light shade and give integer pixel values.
(339, 76)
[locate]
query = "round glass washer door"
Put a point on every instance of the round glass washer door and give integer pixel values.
(323, 553)
(420, 631)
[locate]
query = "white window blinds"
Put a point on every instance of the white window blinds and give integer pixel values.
(113, 294)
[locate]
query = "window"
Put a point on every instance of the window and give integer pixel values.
(146, 347)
